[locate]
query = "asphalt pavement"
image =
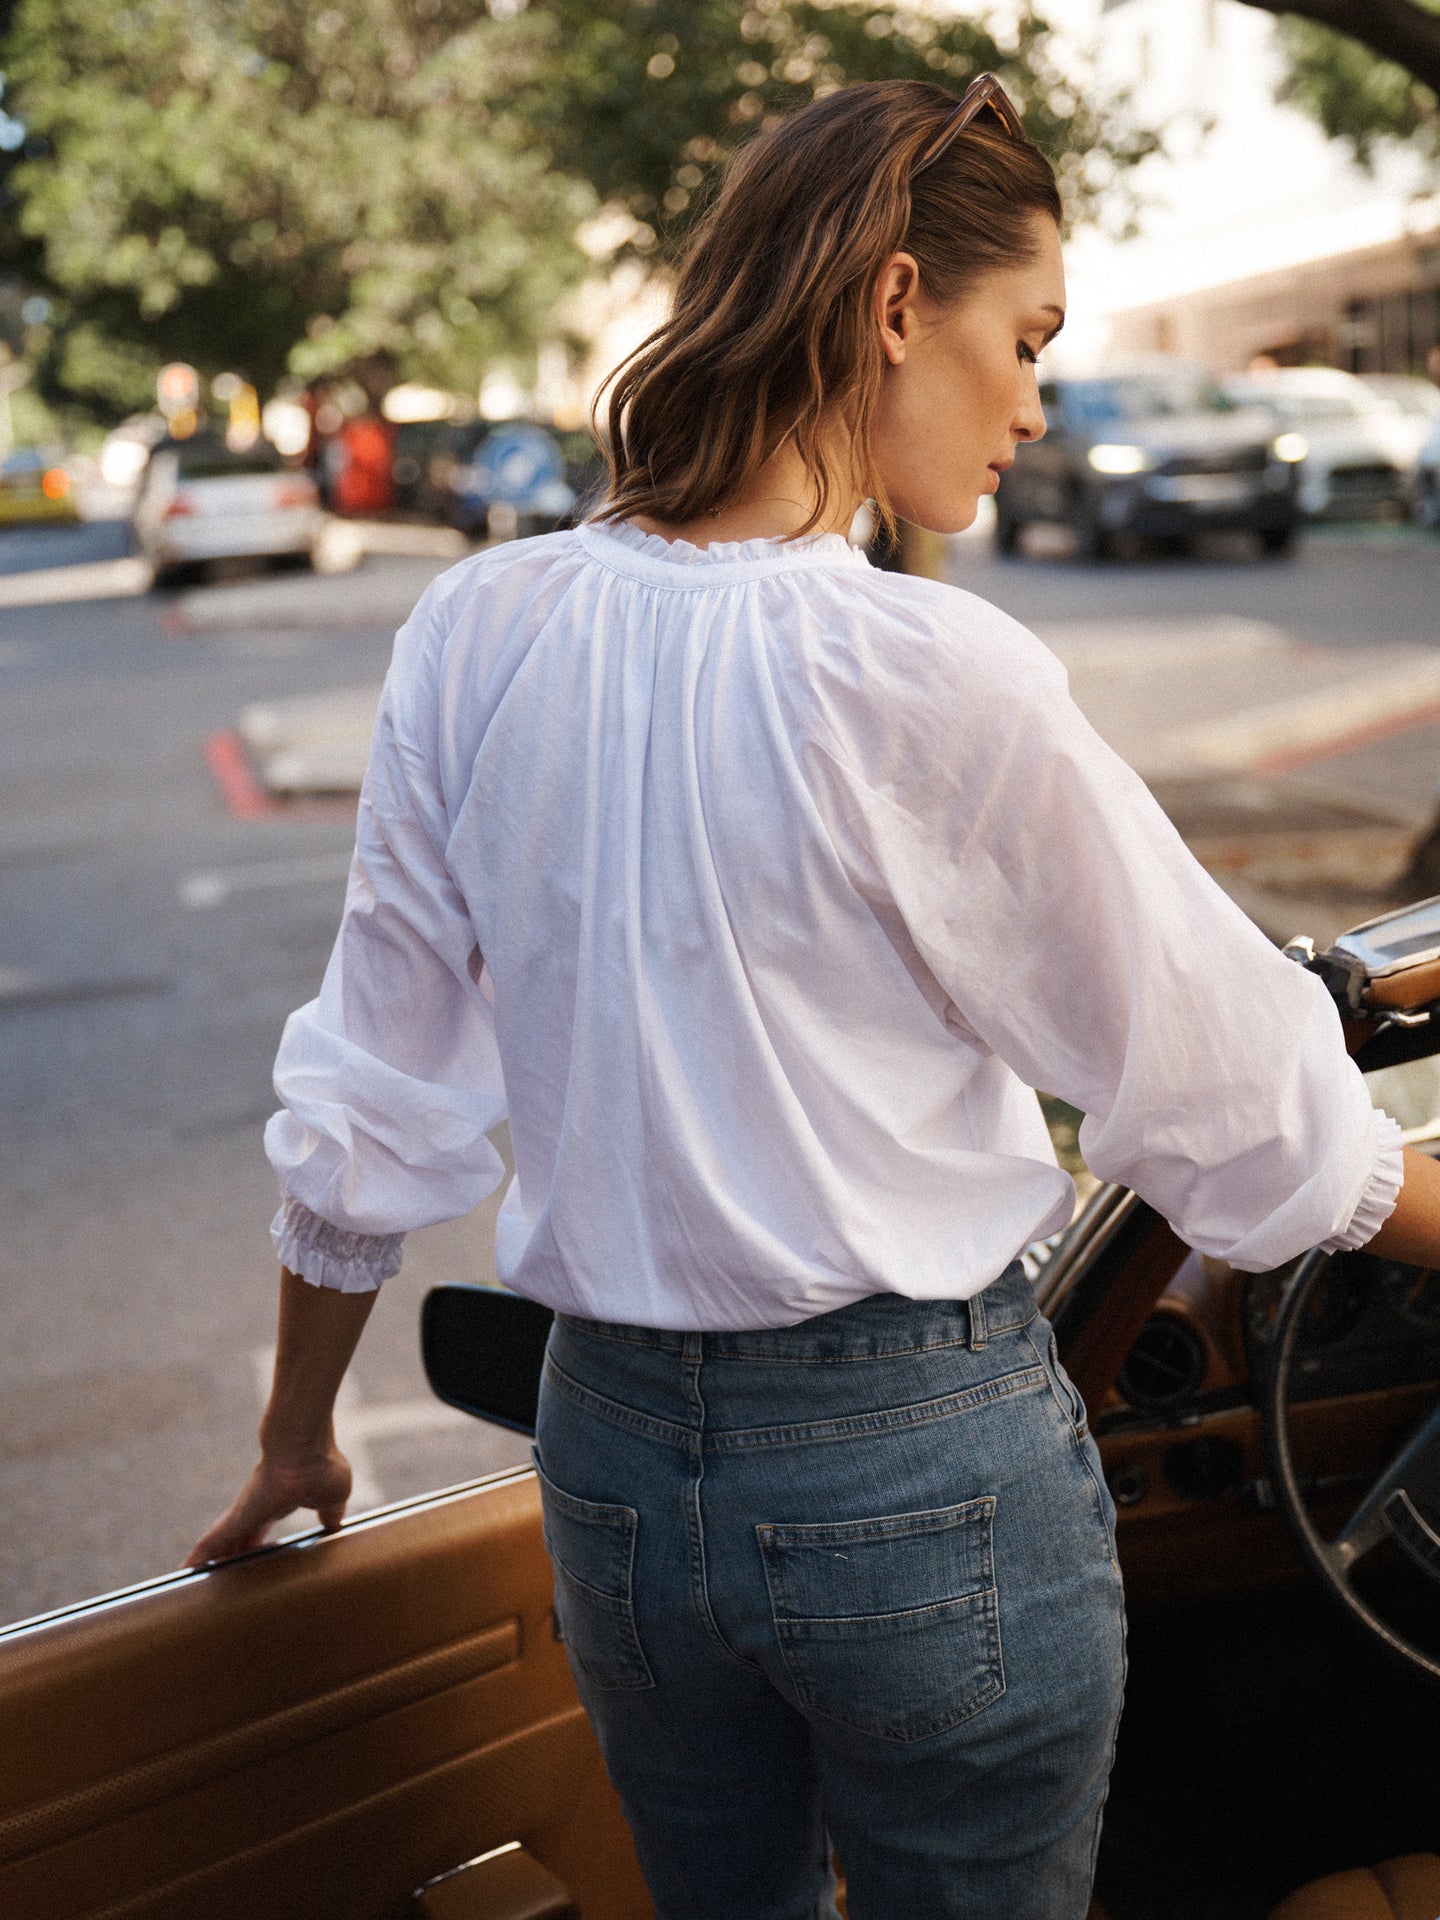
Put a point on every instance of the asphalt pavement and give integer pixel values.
(155, 931)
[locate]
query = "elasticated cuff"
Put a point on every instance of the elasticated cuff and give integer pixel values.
(330, 1256)
(1380, 1192)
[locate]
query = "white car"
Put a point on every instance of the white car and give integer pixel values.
(200, 500)
(1416, 397)
(1427, 478)
(1360, 449)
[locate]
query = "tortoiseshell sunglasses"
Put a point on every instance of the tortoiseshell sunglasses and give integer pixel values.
(983, 91)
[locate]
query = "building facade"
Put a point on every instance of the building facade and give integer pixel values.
(1259, 236)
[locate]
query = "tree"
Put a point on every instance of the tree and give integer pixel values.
(241, 183)
(1367, 70)
(1404, 32)
(273, 184)
(643, 97)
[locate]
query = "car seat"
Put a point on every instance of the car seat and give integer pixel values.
(1403, 1889)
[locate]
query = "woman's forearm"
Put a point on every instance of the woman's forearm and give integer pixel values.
(319, 1331)
(1412, 1232)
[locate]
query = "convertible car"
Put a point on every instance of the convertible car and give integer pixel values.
(379, 1722)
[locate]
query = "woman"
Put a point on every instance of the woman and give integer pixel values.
(758, 887)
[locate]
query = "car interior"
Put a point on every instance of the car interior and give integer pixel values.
(379, 1722)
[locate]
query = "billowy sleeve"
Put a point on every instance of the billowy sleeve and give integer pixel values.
(1079, 940)
(390, 1078)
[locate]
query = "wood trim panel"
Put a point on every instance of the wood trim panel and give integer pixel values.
(316, 1730)
(254, 1743)
(1174, 1548)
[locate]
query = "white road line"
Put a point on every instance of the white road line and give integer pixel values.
(90, 580)
(213, 886)
(1130, 649)
(1307, 723)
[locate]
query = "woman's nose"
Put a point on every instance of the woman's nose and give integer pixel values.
(1029, 421)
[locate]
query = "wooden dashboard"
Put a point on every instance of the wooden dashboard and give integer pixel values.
(1180, 1432)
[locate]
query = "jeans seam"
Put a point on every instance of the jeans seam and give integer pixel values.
(695, 1520)
(615, 1411)
(1078, 1425)
(1114, 1735)
(1080, 1435)
(918, 1413)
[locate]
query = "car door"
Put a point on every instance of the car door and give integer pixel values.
(314, 1730)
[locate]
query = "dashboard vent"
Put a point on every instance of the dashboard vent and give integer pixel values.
(1165, 1365)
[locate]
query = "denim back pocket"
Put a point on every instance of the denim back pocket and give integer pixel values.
(592, 1554)
(890, 1626)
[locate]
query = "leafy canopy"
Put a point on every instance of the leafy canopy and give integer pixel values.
(300, 184)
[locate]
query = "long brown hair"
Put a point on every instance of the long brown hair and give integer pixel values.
(772, 326)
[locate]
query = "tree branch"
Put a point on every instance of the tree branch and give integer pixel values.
(1397, 30)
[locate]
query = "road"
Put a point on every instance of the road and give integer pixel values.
(152, 941)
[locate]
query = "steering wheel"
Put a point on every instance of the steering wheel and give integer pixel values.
(1403, 1505)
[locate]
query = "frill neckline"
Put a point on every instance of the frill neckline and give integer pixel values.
(684, 553)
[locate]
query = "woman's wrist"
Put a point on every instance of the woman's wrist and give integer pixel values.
(295, 1443)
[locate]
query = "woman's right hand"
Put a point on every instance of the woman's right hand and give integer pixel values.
(277, 1487)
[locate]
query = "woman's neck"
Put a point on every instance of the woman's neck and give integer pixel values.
(776, 506)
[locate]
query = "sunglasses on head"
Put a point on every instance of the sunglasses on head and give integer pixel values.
(985, 91)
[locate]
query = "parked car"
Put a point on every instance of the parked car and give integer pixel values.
(512, 483)
(1411, 394)
(1156, 451)
(1427, 478)
(200, 500)
(35, 486)
(1360, 449)
(427, 453)
(329, 1724)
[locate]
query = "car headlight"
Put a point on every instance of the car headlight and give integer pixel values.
(1290, 447)
(1119, 459)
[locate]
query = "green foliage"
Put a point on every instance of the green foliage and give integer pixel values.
(1355, 95)
(240, 183)
(303, 184)
(643, 97)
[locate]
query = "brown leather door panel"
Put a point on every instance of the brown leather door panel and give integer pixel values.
(314, 1731)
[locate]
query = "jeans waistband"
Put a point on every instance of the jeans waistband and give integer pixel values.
(878, 1327)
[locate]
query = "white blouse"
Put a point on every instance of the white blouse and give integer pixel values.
(758, 888)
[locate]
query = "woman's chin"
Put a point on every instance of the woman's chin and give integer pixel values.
(956, 516)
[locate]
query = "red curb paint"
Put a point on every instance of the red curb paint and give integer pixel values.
(242, 793)
(1286, 762)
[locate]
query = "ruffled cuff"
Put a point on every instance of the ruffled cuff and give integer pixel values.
(329, 1256)
(1379, 1193)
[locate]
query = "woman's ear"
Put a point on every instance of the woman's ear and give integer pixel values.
(896, 292)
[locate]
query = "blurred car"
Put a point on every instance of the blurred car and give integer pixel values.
(511, 483)
(425, 456)
(1157, 451)
(34, 486)
(200, 500)
(1360, 449)
(1412, 395)
(1427, 476)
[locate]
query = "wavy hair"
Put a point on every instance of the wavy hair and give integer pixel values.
(772, 328)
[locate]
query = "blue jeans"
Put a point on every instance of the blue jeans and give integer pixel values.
(849, 1582)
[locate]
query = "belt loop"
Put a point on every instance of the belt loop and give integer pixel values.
(976, 1304)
